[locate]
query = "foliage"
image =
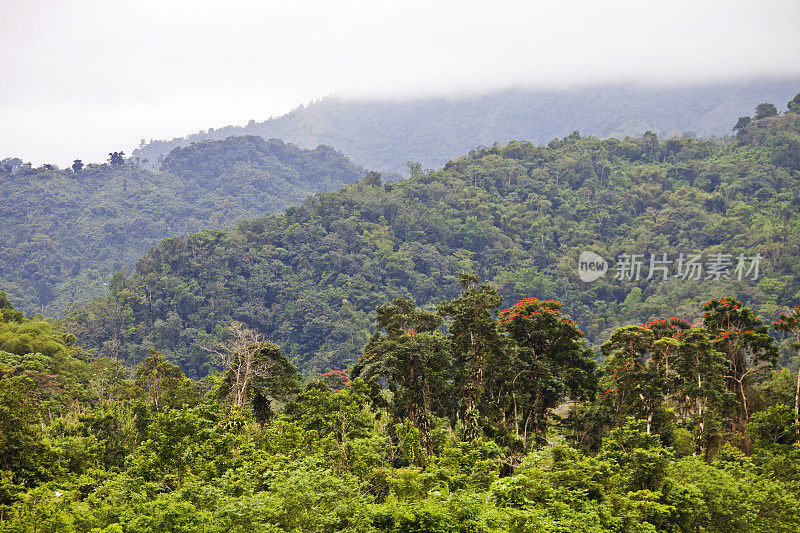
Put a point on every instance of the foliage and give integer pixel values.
(65, 233)
(458, 414)
(476, 344)
(516, 215)
(88, 446)
(410, 357)
(551, 363)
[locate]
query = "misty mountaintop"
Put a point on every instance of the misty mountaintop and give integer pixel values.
(386, 135)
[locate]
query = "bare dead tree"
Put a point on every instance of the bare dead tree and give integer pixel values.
(239, 356)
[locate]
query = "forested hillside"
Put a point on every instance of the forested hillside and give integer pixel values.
(455, 419)
(385, 135)
(518, 215)
(64, 233)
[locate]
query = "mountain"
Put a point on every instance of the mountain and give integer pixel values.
(519, 215)
(66, 232)
(386, 135)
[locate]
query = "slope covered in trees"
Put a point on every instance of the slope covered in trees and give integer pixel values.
(518, 215)
(385, 135)
(492, 423)
(66, 232)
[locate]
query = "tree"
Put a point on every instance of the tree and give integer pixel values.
(649, 143)
(744, 340)
(741, 125)
(790, 323)
(77, 165)
(18, 418)
(238, 358)
(765, 110)
(335, 380)
(116, 159)
(699, 388)
(373, 179)
(7, 311)
(163, 381)
(409, 353)
(275, 381)
(641, 458)
(551, 362)
(794, 104)
(476, 343)
(253, 368)
(773, 425)
(414, 168)
(342, 414)
(631, 382)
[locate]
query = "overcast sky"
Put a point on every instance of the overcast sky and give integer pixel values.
(82, 78)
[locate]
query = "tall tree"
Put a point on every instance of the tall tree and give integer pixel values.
(741, 125)
(631, 381)
(254, 368)
(411, 356)
(666, 341)
(699, 388)
(276, 383)
(744, 340)
(550, 362)
(765, 110)
(476, 342)
(790, 323)
(116, 159)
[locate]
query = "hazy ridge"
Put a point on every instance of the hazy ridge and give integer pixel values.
(385, 135)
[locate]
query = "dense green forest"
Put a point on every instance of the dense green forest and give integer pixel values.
(423, 356)
(455, 419)
(437, 267)
(385, 134)
(518, 215)
(66, 232)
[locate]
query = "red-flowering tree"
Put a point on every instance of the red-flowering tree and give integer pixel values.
(665, 362)
(738, 334)
(790, 323)
(668, 327)
(549, 362)
(335, 380)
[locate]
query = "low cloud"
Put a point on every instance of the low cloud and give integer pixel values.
(84, 78)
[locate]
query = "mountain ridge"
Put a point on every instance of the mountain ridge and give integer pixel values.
(384, 135)
(517, 215)
(66, 232)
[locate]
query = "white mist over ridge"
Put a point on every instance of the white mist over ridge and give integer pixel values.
(386, 134)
